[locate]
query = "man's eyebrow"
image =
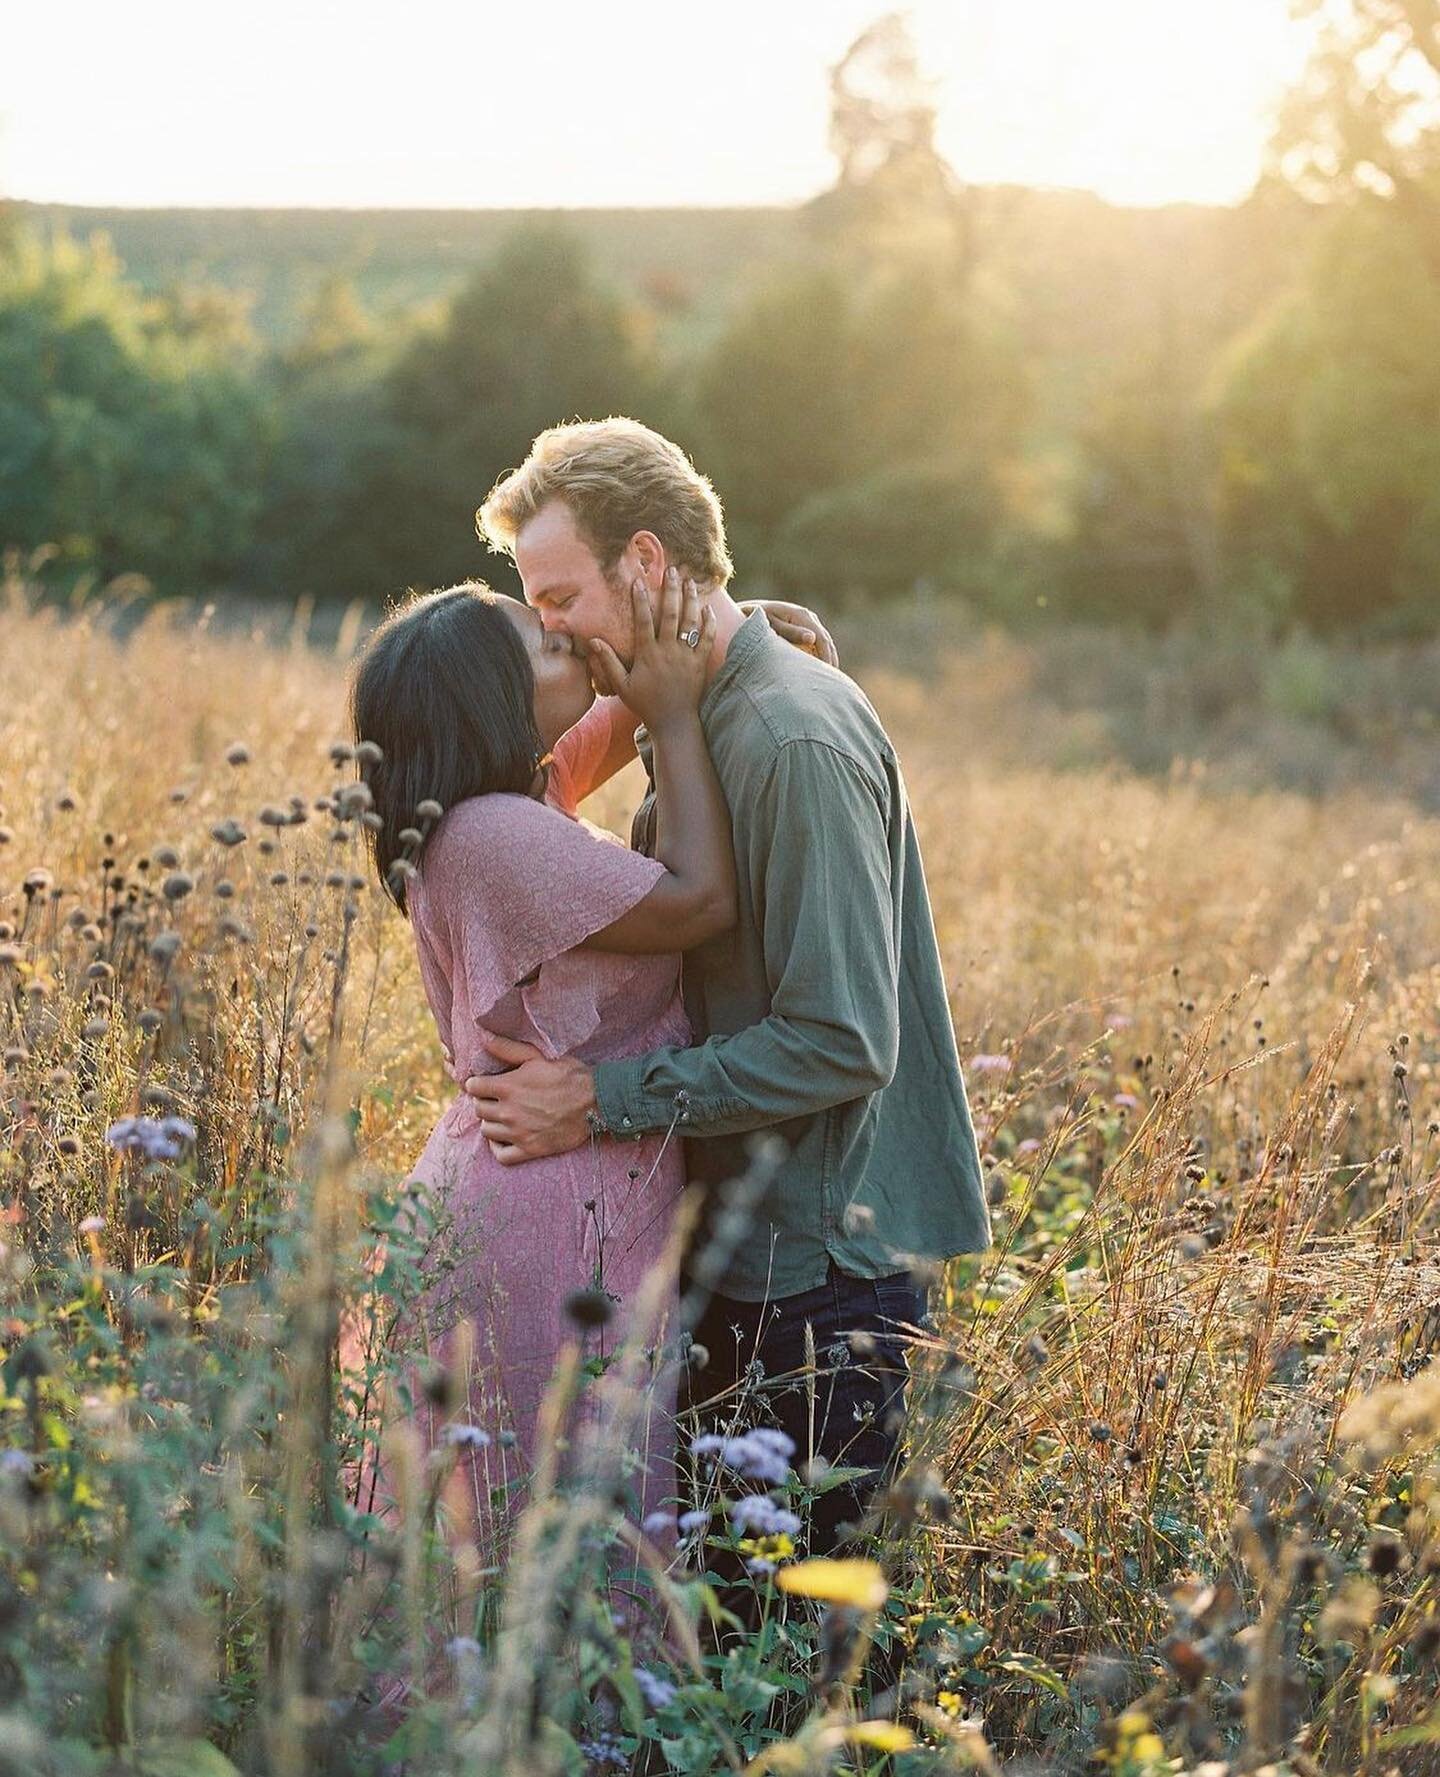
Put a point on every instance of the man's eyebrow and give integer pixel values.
(558, 590)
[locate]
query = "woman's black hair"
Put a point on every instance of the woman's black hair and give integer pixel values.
(445, 690)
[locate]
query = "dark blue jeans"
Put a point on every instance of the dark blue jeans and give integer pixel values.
(754, 1375)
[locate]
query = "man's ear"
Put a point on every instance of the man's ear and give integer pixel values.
(650, 554)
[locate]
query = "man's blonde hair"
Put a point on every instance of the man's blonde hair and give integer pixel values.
(617, 477)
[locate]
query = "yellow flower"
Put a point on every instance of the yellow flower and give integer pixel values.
(951, 1702)
(884, 1736)
(861, 1584)
(767, 1548)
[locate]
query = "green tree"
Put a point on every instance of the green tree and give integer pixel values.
(128, 444)
(532, 340)
(1330, 433)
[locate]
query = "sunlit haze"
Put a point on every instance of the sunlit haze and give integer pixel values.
(477, 105)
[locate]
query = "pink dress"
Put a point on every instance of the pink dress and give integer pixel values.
(506, 889)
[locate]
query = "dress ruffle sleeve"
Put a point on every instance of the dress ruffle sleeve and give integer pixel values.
(516, 884)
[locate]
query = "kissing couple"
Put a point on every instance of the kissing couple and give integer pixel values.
(761, 960)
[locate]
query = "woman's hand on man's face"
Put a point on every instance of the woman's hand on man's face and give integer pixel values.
(666, 678)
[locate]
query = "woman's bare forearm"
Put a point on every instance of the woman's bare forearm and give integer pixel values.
(692, 821)
(695, 899)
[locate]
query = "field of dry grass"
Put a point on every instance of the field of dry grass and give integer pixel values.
(1157, 1517)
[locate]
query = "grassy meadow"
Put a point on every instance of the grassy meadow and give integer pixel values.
(1170, 1501)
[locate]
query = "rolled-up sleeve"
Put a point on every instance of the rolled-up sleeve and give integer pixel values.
(820, 865)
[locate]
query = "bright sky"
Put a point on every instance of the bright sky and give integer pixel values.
(494, 103)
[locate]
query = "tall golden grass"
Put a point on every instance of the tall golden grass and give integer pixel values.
(1169, 1503)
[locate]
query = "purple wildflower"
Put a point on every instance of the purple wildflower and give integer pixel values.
(759, 1455)
(990, 1064)
(467, 1437)
(157, 1138)
(693, 1523)
(758, 1515)
(657, 1692)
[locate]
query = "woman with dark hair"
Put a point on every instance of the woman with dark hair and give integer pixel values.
(484, 734)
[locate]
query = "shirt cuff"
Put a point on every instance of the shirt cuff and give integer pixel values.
(620, 1097)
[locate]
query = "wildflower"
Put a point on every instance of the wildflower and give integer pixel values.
(1126, 1101)
(765, 1553)
(758, 1515)
(693, 1523)
(990, 1064)
(861, 1584)
(461, 1647)
(161, 1138)
(657, 1692)
(951, 1703)
(605, 1749)
(16, 1462)
(883, 1736)
(1029, 1146)
(759, 1455)
(93, 1225)
(658, 1523)
(467, 1437)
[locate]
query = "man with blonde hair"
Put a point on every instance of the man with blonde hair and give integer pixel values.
(821, 1018)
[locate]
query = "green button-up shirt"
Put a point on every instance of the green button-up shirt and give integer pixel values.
(823, 1013)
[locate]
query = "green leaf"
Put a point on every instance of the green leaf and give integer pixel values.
(1027, 1666)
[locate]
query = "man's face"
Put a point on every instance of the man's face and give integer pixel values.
(565, 585)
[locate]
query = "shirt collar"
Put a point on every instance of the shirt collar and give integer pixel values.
(749, 640)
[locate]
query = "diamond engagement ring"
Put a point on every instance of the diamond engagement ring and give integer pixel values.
(691, 638)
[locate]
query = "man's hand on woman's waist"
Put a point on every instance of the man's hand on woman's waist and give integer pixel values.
(536, 1108)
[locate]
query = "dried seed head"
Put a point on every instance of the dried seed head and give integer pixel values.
(99, 972)
(367, 753)
(590, 1308)
(229, 832)
(65, 801)
(164, 945)
(95, 1029)
(36, 882)
(354, 798)
(238, 754)
(410, 836)
(278, 878)
(270, 816)
(224, 889)
(166, 856)
(428, 810)
(6, 835)
(341, 752)
(177, 886)
(372, 820)
(149, 1021)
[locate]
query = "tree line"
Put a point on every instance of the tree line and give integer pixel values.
(869, 408)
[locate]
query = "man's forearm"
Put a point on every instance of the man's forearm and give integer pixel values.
(730, 1085)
